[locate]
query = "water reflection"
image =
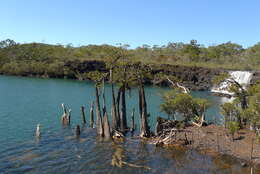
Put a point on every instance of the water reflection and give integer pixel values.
(117, 158)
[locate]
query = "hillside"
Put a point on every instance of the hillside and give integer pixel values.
(192, 63)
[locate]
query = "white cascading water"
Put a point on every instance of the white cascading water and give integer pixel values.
(242, 77)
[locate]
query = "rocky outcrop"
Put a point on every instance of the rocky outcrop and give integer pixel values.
(194, 78)
(86, 66)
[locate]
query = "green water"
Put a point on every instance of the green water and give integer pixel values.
(25, 102)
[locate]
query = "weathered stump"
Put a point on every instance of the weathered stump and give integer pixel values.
(77, 131)
(106, 126)
(91, 115)
(83, 114)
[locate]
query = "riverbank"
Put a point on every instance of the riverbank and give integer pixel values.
(192, 77)
(215, 140)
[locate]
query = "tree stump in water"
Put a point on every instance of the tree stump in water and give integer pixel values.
(77, 130)
(83, 114)
(106, 126)
(133, 121)
(91, 115)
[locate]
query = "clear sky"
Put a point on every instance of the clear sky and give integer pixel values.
(134, 22)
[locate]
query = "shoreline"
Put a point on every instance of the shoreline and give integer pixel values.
(215, 140)
(193, 77)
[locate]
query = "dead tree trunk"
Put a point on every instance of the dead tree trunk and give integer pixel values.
(123, 122)
(106, 126)
(118, 107)
(201, 122)
(133, 121)
(145, 132)
(83, 115)
(65, 119)
(104, 99)
(99, 125)
(184, 89)
(69, 116)
(77, 131)
(244, 105)
(91, 115)
(38, 132)
(114, 111)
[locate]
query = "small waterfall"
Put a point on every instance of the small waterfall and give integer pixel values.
(242, 77)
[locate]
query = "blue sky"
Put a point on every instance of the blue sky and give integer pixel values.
(134, 22)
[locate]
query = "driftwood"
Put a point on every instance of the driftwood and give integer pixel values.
(166, 132)
(201, 123)
(164, 124)
(169, 137)
(117, 134)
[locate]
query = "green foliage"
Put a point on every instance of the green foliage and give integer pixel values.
(95, 76)
(176, 102)
(254, 89)
(192, 50)
(232, 113)
(227, 109)
(160, 77)
(233, 127)
(184, 105)
(227, 55)
(167, 106)
(201, 105)
(236, 112)
(252, 113)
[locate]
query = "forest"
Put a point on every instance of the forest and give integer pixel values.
(49, 60)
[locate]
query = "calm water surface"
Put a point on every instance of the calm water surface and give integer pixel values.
(25, 102)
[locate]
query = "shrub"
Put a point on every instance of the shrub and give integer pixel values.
(233, 127)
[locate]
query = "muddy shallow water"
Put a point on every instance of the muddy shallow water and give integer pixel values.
(62, 152)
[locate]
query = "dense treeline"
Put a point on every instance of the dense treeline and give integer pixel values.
(44, 59)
